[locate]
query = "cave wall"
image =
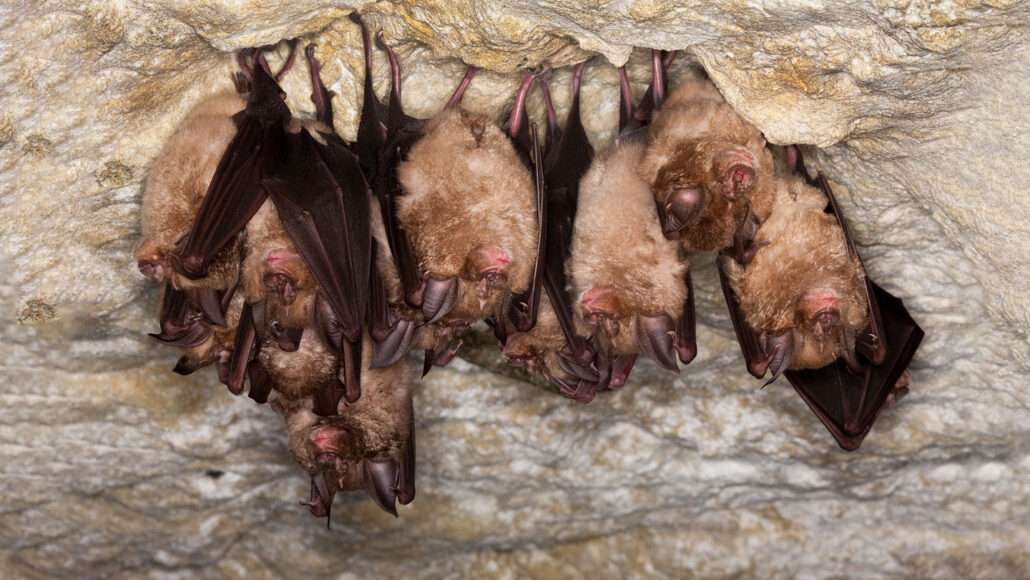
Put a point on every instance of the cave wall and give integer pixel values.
(918, 111)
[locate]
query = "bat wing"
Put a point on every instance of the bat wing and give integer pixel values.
(235, 192)
(522, 311)
(848, 403)
(312, 186)
(181, 321)
(755, 358)
(564, 165)
(372, 125)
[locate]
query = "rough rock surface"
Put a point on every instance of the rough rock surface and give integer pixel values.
(113, 466)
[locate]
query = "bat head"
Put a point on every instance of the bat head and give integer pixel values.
(821, 332)
(336, 455)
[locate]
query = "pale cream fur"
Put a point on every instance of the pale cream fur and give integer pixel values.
(179, 180)
(805, 252)
(689, 143)
(465, 186)
(617, 243)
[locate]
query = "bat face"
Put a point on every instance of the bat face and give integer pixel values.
(705, 166)
(802, 285)
(275, 274)
(468, 207)
(623, 271)
(176, 187)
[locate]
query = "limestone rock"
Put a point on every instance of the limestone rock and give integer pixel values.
(113, 466)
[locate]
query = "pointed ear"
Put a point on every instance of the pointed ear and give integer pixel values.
(380, 479)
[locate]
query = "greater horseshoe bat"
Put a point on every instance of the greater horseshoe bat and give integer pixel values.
(871, 348)
(368, 444)
(633, 285)
(581, 370)
(707, 167)
(629, 279)
(800, 289)
(457, 210)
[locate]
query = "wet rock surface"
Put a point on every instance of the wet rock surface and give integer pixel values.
(113, 466)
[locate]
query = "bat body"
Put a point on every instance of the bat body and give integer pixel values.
(468, 207)
(814, 292)
(629, 280)
(707, 168)
(802, 290)
(176, 186)
(368, 445)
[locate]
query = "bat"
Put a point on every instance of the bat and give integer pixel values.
(370, 437)
(458, 214)
(801, 289)
(573, 364)
(320, 274)
(469, 209)
(874, 346)
(369, 444)
(707, 167)
(630, 281)
(633, 284)
(175, 190)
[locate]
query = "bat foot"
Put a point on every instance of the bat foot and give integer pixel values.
(402, 338)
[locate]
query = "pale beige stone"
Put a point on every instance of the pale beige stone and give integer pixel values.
(112, 466)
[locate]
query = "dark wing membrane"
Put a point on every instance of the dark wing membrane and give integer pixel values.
(232, 198)
(754, 355)
(181, 322)
(848, 403)
(235, 192)
(565, 163)
(334, 242)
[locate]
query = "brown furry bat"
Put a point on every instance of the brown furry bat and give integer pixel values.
(368, 445)
(468, 207)
(802, 290)
(706, 166)
(178, 181)
(628, 279)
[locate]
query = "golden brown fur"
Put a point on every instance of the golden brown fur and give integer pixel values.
(466, 190)
(803, 268)
(376, 426)
(618, 248)
(176, 187)
(692, 143)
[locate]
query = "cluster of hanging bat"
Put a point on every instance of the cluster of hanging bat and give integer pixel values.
(309, 266)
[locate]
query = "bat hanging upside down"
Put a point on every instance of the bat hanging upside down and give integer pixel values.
(309, 266)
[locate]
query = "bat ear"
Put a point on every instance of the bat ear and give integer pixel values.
(380, 480)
